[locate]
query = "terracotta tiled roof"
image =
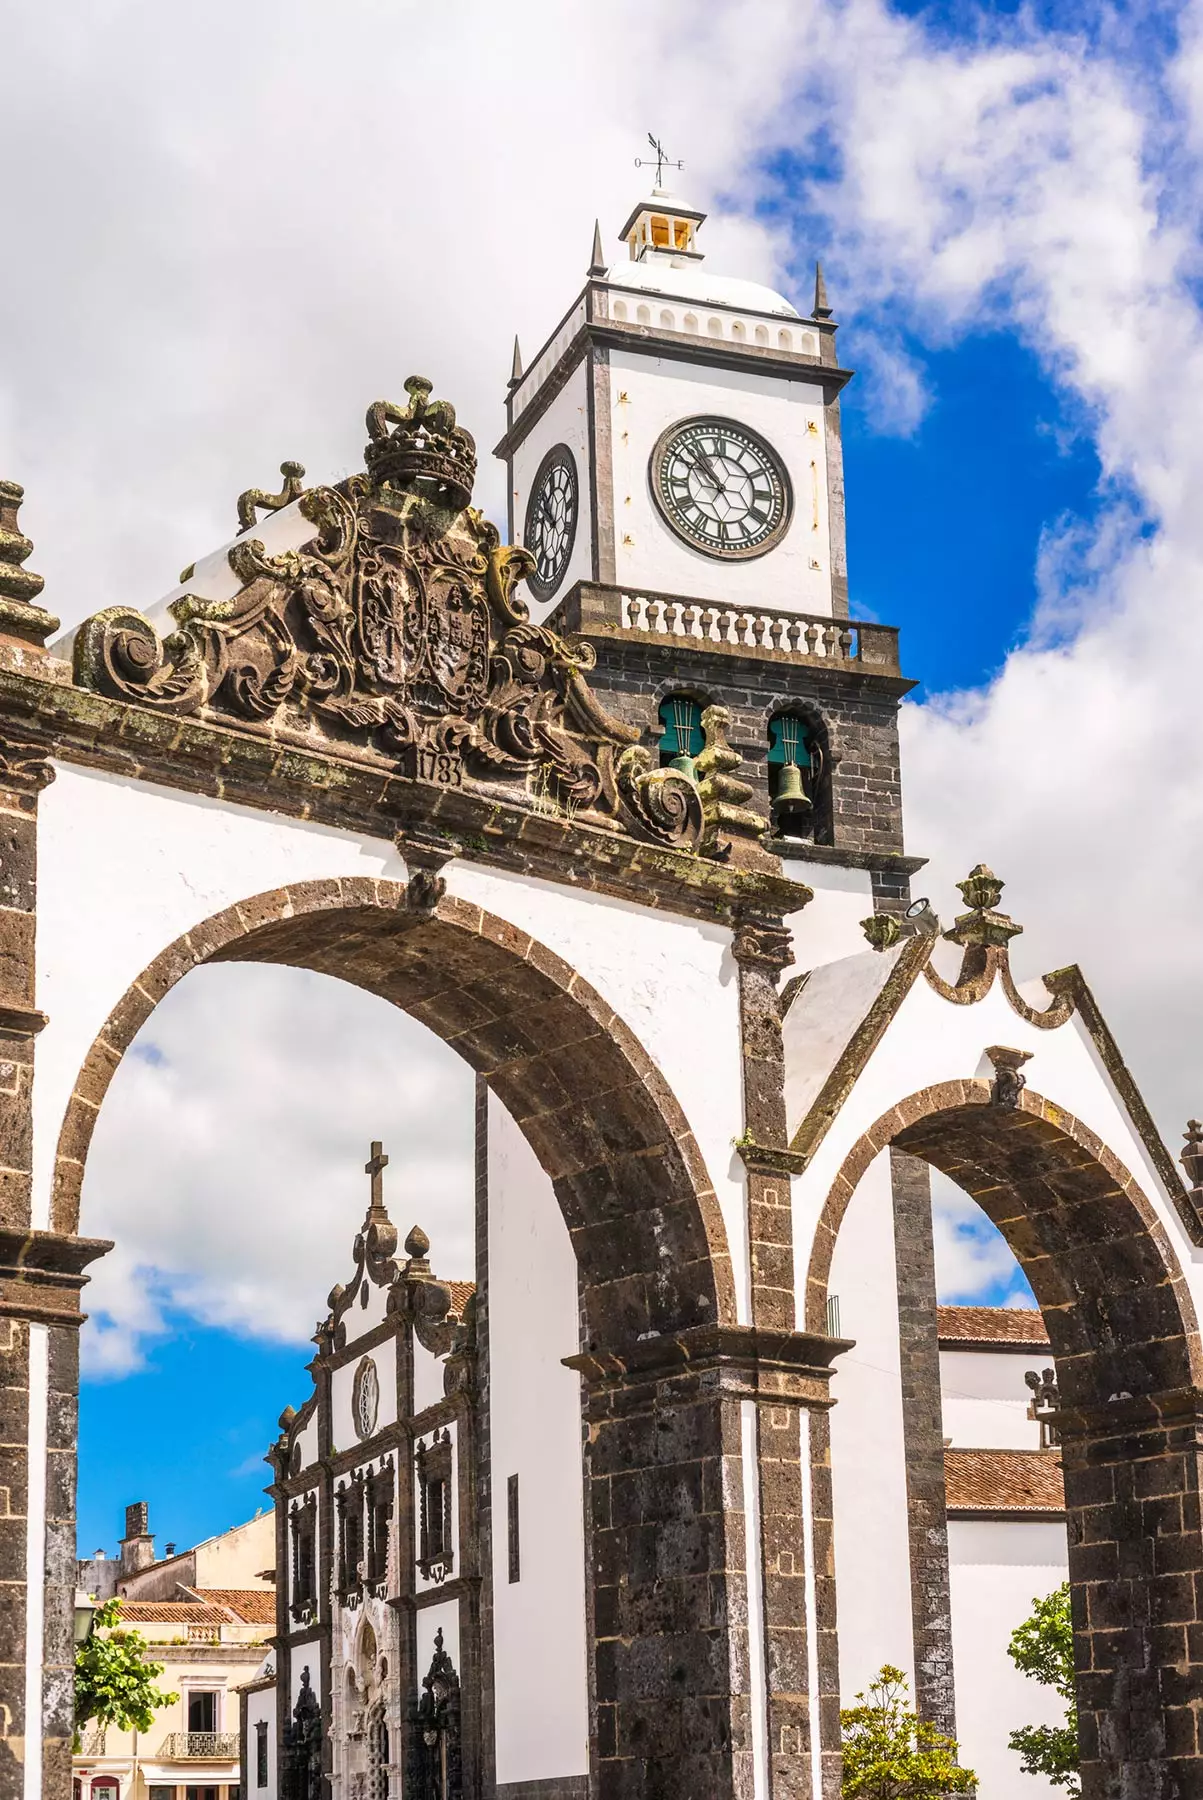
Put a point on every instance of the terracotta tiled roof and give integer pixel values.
(461, 1293)
(255, 1606)
(991, 1325)
(1004, 1481)
(170, 1612)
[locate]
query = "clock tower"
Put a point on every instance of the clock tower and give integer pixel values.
(675, 468)
(679, 432)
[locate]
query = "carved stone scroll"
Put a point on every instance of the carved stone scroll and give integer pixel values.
(396, 633)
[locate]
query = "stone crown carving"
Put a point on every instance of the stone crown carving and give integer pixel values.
(396, 633)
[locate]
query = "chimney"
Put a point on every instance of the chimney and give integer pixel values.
(138, 1544)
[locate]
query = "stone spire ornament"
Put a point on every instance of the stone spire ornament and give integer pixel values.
(597, 262)
(731, 830)
(516, 364)
(1192, 1155)
(820, 309)
(21, 620)
(982, 927)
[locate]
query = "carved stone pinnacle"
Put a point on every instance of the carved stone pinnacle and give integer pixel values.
(417, 1245)
(982, 926)
(19, 588)
(882, 930)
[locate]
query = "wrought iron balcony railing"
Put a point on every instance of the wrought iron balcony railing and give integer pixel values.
(199, 1746)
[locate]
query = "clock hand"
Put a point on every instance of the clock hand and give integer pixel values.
(711, 473)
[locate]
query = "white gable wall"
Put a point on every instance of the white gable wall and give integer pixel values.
(997, 1568)
(539, 1639)
(868, 1468)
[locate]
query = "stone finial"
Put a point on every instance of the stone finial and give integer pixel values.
(516, 364)
(1192, 1153)
(597, 262)
(417, 1245)
(20, 617)
(257, 500)
(982, 926)
(1045, 1405)
(1008, 1082)
(731, 830)
(882, 930)
(820, 309)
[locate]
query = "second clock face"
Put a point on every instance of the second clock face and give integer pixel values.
(721, 487)
(551, 515)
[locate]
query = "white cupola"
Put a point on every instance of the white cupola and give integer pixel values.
(664, 226)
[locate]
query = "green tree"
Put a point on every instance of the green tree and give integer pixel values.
(114, 1683)
(1043, 1647)
(892, 1754)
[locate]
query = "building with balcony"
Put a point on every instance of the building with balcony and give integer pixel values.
(210, 1640)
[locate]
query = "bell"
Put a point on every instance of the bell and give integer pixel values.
(791, 808)
(681, 764)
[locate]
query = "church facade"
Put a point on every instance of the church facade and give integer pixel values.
(615, 809)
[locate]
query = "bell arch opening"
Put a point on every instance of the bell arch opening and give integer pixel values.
(1124, 1341)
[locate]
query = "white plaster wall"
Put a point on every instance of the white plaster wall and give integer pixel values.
(301, 1659)
(674, 982)
(931, 1040)
(423, 1583)
(997, 1568)
(307, 1439)
(127, 867)
(261, 1705)
(828, 927)
(650, 393)
(236, 1558)
(432, 1619)
(124, 868)
(535, 1431)
(984, 1399)
(428, 1377)
(566, 421)
(342, 1387)
(872, 1554)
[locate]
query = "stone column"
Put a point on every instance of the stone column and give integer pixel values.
(792, 1451)
(41, 1274)
(669, 1533)
(923, 1441)
(1133, 1488)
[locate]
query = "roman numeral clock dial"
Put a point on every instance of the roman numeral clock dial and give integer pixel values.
(722, 488)
(551, 516)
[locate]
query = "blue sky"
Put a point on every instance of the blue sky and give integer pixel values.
(1006, 201)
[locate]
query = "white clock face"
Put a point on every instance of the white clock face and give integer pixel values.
(721, 487)
(551, 516)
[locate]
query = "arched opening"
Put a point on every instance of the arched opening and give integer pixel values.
(681, 735)
(1123, 1339)
(797, 766)
(597, 1119)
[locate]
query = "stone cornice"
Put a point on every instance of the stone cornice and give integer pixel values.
(366, 794)
(785, 1366)
(42, 1274)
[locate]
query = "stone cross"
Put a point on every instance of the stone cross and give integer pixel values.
(375, 1167)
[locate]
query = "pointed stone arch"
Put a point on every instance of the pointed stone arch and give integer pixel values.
(1125, 1340)
(595, 1108)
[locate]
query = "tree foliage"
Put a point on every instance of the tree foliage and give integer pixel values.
(114, 1683)
(892, 1754)
(1043, 1647)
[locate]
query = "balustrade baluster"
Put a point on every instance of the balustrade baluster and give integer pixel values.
(671, 610)
(689, 621)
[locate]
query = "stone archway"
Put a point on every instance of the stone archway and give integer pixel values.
(592, 1103)
(650, 1247)
(1126, 1343)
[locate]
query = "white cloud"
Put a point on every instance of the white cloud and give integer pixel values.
(228, 1157)
(973, 1262)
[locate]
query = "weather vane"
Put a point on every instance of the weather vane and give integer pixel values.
(662, 160)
